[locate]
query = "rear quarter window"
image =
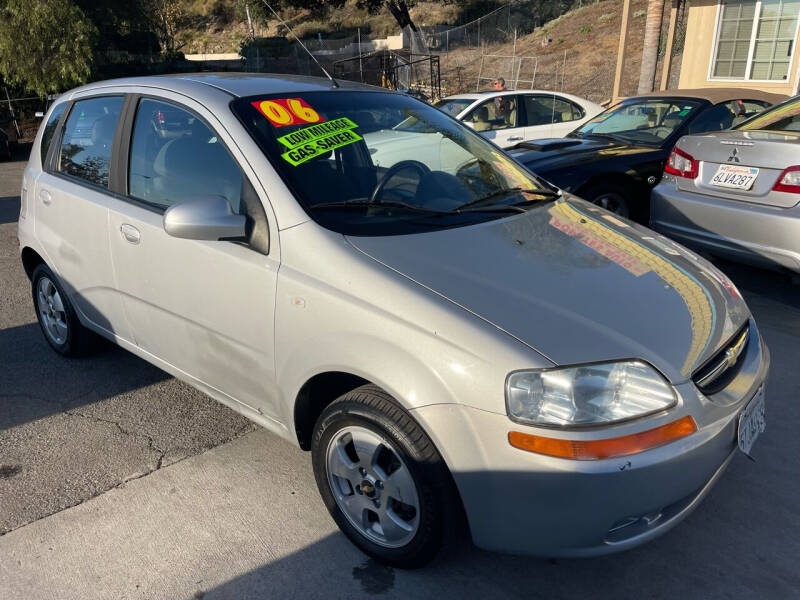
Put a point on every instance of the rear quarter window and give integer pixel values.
(50, 129)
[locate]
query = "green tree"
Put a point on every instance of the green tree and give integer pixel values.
(166, 17)
(45, 45)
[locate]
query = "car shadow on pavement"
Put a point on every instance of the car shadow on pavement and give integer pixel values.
(714, 554)
(35, 382)
(9, 209)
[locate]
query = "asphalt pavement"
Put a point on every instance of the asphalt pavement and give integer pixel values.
(117, 481)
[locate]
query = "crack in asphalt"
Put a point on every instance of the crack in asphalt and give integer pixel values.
(150, 441)
(161, 454)
(243, 430)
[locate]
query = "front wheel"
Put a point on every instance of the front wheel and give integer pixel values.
(382, 479)
(610, 196)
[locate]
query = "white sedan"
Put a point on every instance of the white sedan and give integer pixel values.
(511, 116)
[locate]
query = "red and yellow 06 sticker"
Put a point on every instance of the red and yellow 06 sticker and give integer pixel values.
(287, 111)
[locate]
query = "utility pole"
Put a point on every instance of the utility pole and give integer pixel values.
(360, 66)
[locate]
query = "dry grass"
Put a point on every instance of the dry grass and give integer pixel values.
(587, 36)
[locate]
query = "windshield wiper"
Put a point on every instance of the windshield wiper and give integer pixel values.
(415, 208)
(365, 204)
(544, 193)
(609, 136)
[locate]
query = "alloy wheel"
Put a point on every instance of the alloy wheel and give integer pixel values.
(373, 486)
(52, 311)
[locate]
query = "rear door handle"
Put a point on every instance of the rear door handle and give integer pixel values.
(46, 197)
(515, 138)
(130, 233)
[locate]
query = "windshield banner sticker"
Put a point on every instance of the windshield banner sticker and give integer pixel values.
(310, 134)
(288, 111)
(318, 145)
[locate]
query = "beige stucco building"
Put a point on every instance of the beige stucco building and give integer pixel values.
(742, 43)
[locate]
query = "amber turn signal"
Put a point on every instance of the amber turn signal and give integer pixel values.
(608, 448)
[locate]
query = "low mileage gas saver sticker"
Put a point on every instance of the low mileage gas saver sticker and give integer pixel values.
(304, 144)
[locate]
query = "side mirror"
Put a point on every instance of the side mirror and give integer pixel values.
(204, 218)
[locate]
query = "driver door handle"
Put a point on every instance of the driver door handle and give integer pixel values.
(515, 138)
(130, 233)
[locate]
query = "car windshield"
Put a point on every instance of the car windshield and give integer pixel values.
(378, 163)
(453, 106)
(784, 117)
(647, 122)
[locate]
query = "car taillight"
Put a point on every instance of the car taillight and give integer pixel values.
(681, 164)
(789, 180)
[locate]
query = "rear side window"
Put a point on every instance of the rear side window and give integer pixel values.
(50, 129)
(716, 118)
(88, 137)
(781, 117)
(498, 113)
(175, 156)
(543, 110)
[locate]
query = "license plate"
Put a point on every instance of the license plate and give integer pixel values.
(751, 422)
(733, 176)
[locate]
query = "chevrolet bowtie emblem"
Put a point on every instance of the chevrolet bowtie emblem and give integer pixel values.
(734, 157)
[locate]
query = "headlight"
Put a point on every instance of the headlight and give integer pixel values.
(587, 394)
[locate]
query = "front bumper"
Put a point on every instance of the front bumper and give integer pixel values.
(739, 230)
(523, 503)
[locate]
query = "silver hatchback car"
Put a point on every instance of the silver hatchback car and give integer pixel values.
(737, 193)
(452, 339)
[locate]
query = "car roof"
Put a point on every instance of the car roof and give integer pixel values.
(492, 93)
(234, 84)
(716, 95)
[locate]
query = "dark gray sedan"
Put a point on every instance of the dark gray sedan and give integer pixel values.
(736, 193)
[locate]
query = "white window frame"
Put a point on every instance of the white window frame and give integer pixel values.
(751, 49)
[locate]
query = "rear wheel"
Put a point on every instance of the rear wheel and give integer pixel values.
(57, 318)
(382, 479)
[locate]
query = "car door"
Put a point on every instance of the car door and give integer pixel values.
(550, 116)
(499, 119)
(538, 116)
(203, 308)
(566, 116)
(71, 200)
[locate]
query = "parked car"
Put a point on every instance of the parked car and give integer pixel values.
(477, 344)
(736, 193)
(615, 159)
(511, 116)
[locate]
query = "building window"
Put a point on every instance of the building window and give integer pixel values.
(755, 39)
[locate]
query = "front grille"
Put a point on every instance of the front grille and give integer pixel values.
(720, 369)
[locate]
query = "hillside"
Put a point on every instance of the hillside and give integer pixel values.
(575, 53)
(215, 26)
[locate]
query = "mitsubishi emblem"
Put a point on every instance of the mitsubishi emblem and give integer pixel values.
(734, 157)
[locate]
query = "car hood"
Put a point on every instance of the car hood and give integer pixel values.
(577, 284)
(574, 150)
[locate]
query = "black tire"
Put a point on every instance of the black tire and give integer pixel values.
(440, 510)
(78, 341)
(612, 197)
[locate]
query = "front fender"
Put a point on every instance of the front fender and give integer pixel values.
(408, 378)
